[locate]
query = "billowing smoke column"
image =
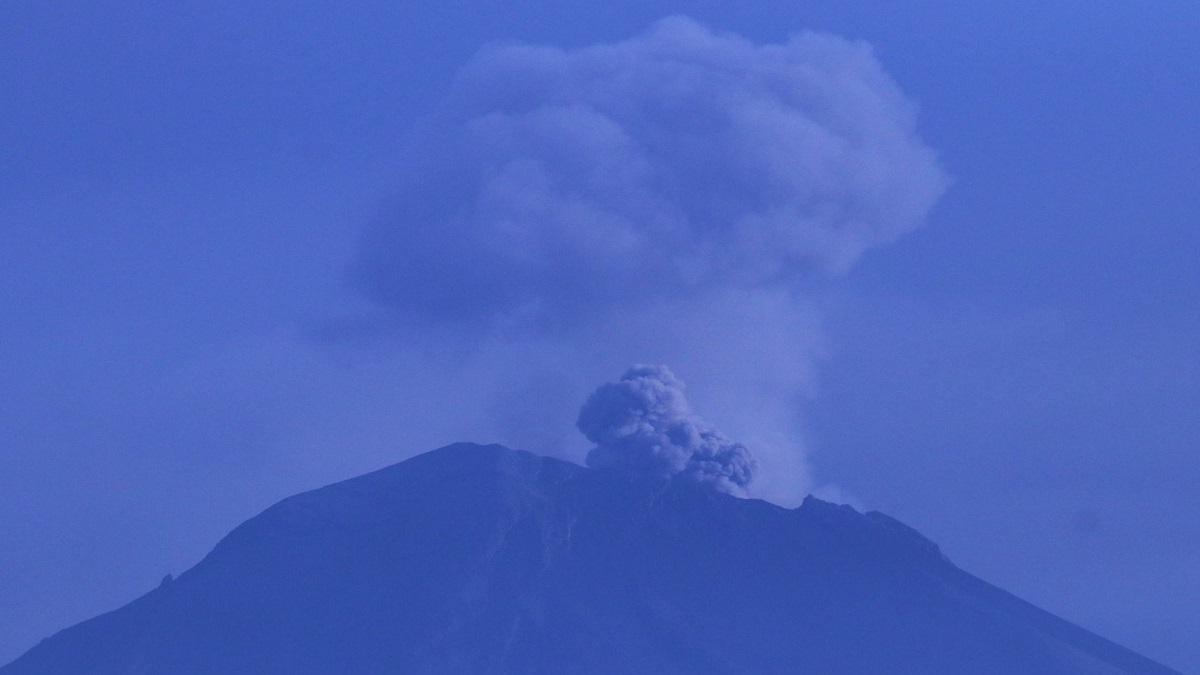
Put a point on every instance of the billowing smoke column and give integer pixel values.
(668, 197)
(642, 424)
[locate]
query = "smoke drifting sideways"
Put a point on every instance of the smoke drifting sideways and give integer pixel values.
(643, 425)
(669, 198)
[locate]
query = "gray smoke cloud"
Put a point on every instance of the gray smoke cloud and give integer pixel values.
(643, 424)
(555, 185)
(668, 198)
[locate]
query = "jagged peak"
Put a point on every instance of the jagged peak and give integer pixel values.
(874, 525)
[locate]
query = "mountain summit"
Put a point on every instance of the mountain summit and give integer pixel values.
(481, 559)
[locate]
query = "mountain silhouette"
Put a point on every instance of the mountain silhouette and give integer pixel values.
(481, 559)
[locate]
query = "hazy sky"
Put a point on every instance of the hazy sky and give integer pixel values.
(217, 291)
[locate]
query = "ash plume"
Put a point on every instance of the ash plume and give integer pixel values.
(557, 185)
(668, 198)
(643, 424)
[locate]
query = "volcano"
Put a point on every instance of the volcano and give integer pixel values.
(481, 559)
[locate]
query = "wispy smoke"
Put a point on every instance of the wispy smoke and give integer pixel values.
(667, 198)
(643, 424)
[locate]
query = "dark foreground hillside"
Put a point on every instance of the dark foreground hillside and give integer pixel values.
(473, 559)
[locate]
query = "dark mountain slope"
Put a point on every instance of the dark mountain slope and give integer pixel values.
(474, 559)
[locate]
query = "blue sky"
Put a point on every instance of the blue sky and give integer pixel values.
(184, 190)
